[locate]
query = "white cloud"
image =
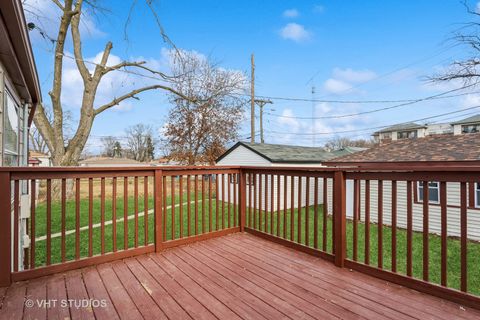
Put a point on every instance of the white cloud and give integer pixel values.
(477, 7)
(291, 13)
(336, 86)
(355, 76)
(296, 32)
(343, 80)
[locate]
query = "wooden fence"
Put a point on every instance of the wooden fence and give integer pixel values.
(57, 219)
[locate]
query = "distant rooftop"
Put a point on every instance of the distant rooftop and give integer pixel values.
(278, 153)
(440, 147)
(472, 119)
(402, 126)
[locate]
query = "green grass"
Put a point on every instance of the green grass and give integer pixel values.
(70, 218)
(453, 245)
(453, 257)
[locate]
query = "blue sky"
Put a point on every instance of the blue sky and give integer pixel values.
(348, 50)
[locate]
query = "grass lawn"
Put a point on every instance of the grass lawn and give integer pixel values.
(453, 265)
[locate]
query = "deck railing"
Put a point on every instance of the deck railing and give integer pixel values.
(416, 226)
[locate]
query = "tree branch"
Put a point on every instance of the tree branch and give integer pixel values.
(58, 4)
(136, 64)
(132, 94)
(77, 43)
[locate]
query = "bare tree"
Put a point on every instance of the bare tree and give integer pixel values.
(52, 130)
(198, 132)
(338, 143)
(140, 143)
(467, 70)
(111, 147)
(37, 142)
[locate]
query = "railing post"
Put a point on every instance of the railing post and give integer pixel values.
(158, 213)
(5, 230)
(242, 199)
(339, 207)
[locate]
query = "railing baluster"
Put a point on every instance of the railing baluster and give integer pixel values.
(272, 206)
(189, 208)
(285, 203)
(254, 177)
(16, 205)
(114, 214)
(235, 197)
(356, 216)
(443, 231)
(265, 211)
(102, 215)
(278, 205)
(172, 207)
(315, 214)
(380, 224)
(409, 229)
(229, 198)
(195, 185)
(394, 226)
(217, 202)
(299, 211)
(367, 222)
(135, 199)
(260, 210)
(463, 236)
(223, 201)
(292, 207)
(145, 210)
(49, 222)
(249, 185)
(165, 206)
(125, 213)
(210, 206)
(425, 229)
(325, 214)
(33, 206)
(159, 186)
(180, 201)
(90, 217)
(307, 212)
(203, 204)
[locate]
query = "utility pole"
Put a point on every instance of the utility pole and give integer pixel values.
(252, 99)
(261, 103)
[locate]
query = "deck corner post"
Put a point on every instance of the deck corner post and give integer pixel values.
(339, 209)
(242, 199)
(5, 229)
(158, 209)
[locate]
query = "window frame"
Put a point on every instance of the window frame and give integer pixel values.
(420, 193)
(408, 132)
(475, 125)
(476, 192)
(10, 94)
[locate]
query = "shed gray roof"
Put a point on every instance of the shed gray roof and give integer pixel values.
(472, 119)
(346, 150)
(402, 126)
(278, 153)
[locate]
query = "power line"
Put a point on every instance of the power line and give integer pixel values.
(434, 97)
(374, 128)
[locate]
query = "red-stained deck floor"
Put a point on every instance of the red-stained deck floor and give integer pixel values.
(232, 277)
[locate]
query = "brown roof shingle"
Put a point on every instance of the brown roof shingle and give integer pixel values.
(444, 147)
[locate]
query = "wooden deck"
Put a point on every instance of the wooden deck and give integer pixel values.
(232, 277)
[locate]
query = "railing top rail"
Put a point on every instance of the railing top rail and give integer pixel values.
(110, 169)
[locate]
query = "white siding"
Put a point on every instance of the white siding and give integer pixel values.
(453, 210)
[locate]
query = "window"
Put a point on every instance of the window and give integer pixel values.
(477, 195)
(471, 128)
(11, 132)
(433, 192)
(407, 134)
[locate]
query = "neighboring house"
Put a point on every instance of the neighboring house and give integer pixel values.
(412, 130)
(19, 85)
(19, 96)
(276, 155)
(38, 159)
(454, 147)
(110, 162)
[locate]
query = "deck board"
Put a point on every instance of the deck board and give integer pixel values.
(239, 276)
